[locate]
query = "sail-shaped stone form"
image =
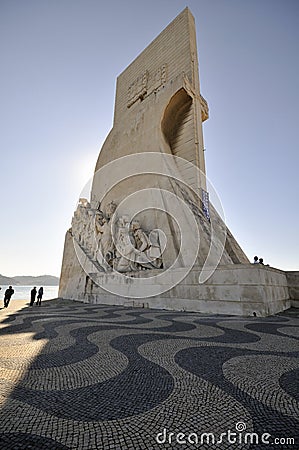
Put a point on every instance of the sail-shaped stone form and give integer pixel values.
(149, 235)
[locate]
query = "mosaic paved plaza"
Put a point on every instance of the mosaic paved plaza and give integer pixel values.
(78, 376)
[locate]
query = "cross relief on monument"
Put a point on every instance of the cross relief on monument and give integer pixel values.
(146, 84)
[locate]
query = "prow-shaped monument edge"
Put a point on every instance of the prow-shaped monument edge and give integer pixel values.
(148, 225)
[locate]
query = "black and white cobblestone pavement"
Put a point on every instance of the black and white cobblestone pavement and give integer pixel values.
(78, 376)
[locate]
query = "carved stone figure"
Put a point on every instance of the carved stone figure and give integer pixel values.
(105, 251)
(125, 254)
(92, 230)
(98, 224)
(79, 220)
(84, 224)
(134, 249)
(149, 249)
(142, 241)
(110, 209)
(89, 232)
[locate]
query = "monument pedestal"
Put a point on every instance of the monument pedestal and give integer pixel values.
(234, 289)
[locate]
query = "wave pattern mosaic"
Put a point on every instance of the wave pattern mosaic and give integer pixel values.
(75, 376)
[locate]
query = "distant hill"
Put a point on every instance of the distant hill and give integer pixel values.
(23, 280)
(7, 280)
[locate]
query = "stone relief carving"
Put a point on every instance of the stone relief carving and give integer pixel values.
(137, 89)
(115, 242)
(135, 250)
(145, 84)
(105, 247)
(149, 249)
(159, 78)
(110, 209)
(125, 252)
(80, 221)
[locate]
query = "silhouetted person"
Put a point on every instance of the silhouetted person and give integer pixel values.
(261, 261)
(40, 296)
(7, 296)
(33, 295)
(256, 260)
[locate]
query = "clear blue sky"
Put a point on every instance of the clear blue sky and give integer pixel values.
(59, 63)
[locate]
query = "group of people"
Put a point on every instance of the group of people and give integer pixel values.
(257, 260)
(39, 297)
(10, 291)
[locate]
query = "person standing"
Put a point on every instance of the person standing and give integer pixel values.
(40, 296)
(33, 295)
(7, 296)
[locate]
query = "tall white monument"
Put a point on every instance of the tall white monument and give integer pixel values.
(148, 235)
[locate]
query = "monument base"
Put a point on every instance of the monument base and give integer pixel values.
(293, 283)
(236, 289)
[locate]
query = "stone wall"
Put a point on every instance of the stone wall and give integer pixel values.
(293, 283)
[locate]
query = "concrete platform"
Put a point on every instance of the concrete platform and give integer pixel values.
(82, 376)
(236, 289)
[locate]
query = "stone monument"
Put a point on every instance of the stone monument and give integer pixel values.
(148, 235)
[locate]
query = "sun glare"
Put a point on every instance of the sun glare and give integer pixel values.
(83, 170)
